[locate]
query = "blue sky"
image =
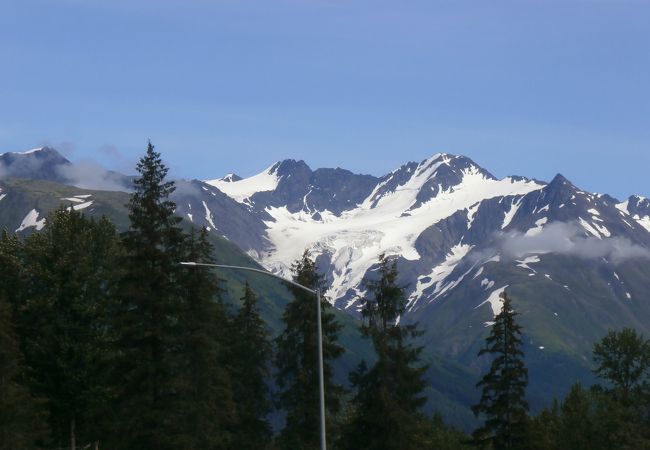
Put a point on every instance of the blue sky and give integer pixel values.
(522, 87)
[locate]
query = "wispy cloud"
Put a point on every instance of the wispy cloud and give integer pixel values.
(567, 239)
(66, 148)
(88, 174)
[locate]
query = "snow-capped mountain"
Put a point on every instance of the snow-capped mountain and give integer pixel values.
(433, 215)
(638, 208)
(437, 216)
(576, 263)
(45, 163)
(41, 163)
(388, 219)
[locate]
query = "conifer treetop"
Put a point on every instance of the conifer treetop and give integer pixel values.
(503, 401)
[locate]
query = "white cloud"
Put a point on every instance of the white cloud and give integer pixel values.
(568, 239)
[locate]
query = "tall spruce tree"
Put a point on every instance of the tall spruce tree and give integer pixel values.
(297, 362)
(148, 319)
(503, 401)
(389, 394)
(251, 356)
(23, 419)
(206, 398)
(63, 320)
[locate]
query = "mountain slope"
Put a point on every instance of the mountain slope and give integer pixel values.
(575, 263)
(25, 204)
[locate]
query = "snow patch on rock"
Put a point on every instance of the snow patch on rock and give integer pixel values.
(539, 225)
(524, 263)
(83, 205)
(510, 214)
(494, 299)
(439, 273)
(208, 216)
(590, 229)
(31, 220)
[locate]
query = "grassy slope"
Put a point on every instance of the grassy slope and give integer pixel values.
(562, 317)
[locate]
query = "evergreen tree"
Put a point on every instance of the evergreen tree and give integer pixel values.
(63, 320)
(149, 340)
(207, 404)
(22, 417)
(576, 428)
(543, 429)
(390, 394)
(297, 362)
(440, 436)
(614, 424)
(251, 357)
(587, 419)
(11, 267)
(623, 359)
(504, 387)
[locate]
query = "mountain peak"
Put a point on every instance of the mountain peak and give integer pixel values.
(457, 164)
(43, 163)
(27, 152)
(559, 181)
(290, 166)
(638, 205)
(230, 178)
(38, 151)
(241, 189)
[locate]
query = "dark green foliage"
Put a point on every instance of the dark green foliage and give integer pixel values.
(62, 315)
(390, 394)
(150, 335)
(22, 417)
(439, 436)
(503, 401)
(623, 359)
(388, 300)
(602, 418)
(251, 359)
(542, 430)
(297, 363)
(207, 407)
(586, 420)
(11, 267)
(577, 420)
(173, 375)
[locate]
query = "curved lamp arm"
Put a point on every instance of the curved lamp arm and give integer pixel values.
(321, 381)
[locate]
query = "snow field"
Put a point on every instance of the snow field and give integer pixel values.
(357, 237)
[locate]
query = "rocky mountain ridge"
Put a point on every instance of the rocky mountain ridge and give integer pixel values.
(575, 263)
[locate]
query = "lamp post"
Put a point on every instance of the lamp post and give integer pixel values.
(321, 381)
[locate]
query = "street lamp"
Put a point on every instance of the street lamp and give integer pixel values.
(321, 383)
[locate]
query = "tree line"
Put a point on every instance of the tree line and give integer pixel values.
(106, 341)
